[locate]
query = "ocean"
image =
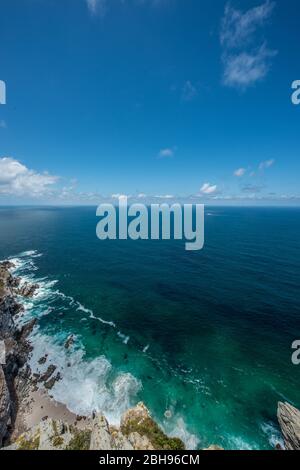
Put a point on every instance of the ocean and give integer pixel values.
(203, 338)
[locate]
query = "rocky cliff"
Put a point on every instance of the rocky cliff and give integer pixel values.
(289, 421)
(14, 347)
(137, 431)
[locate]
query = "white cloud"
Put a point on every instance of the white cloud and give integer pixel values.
(238, 28)
(2, 124)
(246, 60)
(166, 153)
(120, 196)
(17, 180)
(266, 164)
(97, 7)
(240, 172)
(247, 68)
(207, 188)
(165, 196)
(189, 91)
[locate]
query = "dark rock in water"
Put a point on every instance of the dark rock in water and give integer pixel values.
(28, 290)
(289, 421)
(15, 282)
(46, 376)
(69, 342)
(7, 265)
(42, 360)
(27, 328)
(51, 382)
(7, 326)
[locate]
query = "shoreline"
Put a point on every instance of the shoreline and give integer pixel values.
(28, 412)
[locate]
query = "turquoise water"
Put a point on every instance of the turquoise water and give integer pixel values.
(205, 336)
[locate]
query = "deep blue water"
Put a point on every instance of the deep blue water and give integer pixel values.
(205, 336)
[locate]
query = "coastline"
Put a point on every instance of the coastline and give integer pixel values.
(29, 413)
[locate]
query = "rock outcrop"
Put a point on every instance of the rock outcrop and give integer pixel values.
(144, 433)
(27, 289)
(289, 421)
(97, 434)
(5, 407)
(13, 370)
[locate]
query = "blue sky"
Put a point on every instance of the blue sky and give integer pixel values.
(155, 99)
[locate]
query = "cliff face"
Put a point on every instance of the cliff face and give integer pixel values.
(14, 349)
(137, 432)
(289, 421)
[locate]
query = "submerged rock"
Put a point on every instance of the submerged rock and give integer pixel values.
(69, 342)
(46, 376)
(28, 290)
(51, 382)
(289, 421)
(42, 360)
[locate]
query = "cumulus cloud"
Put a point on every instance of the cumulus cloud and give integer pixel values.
(245, 60)
(207, 189)
(240, 172)
(17, 180)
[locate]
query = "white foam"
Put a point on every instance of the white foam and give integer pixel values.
(238, 443)
(180, 430)
(123, 337)
(86, 385)
(25, 268)
(91, 314)
(273, 434)
(28, 253)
